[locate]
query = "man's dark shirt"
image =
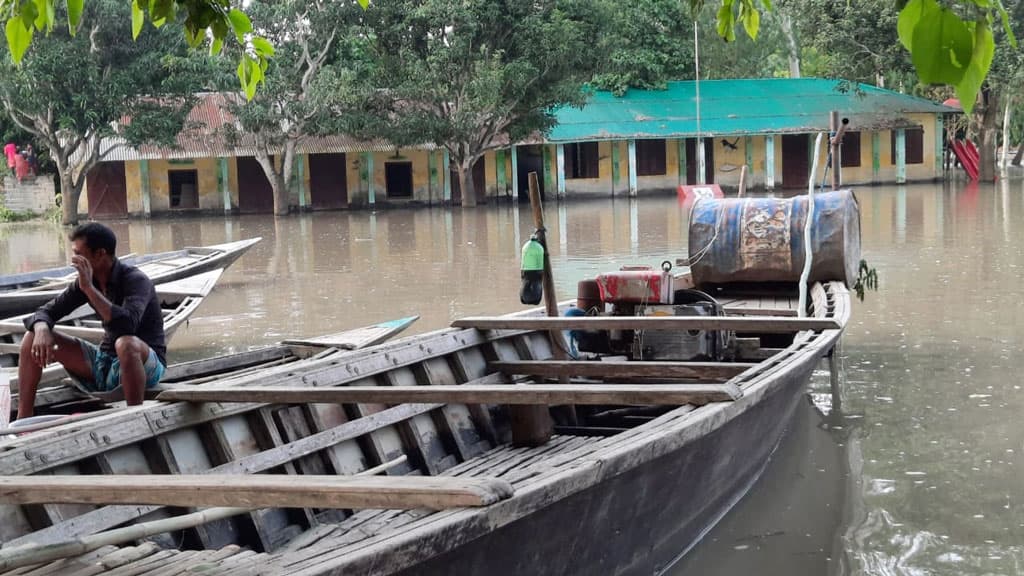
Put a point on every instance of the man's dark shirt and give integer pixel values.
(134, 311)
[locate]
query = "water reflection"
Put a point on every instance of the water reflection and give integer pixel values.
(931, 483)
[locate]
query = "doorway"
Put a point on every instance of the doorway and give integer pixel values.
(254, 192)
(691, 161)
(184, 189)
(398, 180)
(529, 159)
(107, 191)
(796, 155)
(328, 182)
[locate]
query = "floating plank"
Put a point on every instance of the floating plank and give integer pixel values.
(737, 323)
(535, 394)
(359, 338)
(619, 369)
(258, 491)
(750, 311)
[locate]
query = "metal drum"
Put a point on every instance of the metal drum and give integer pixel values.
(762, 239)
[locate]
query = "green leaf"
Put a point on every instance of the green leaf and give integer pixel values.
(41, 13)
(160, 11)
(942, 47)
(909, 17)
(263, 46)
(216, 46)
(977, 69)
(243, 69)
(28, 12)
(19, 37)
(240, 22)
(364, 3)
(138, 19)
(1006, 23)
(751, 22)
(74, 15)
(726, 24)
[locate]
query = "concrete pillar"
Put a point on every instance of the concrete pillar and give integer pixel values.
(446, 173)
(431, 176)
(560, 168)
(876, 156)
(499, 172)
(371, 192)
(748, 151)
(515, 172)
(300, 178)
(615, 167)
(224, 182)
(631, 152)
(144, 176)
(702, 163)
(901, 156)
(939, 152)
(681, 154)
(548, 171)
(769, 161)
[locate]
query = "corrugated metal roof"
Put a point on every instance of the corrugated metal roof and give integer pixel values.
(204, 137)
(735, 107)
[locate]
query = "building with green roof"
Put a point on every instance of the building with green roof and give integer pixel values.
(648, 140)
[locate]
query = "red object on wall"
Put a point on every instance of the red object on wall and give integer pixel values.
(690, 192)
(21, 167)
(643, 286)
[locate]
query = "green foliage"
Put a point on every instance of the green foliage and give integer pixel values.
(951, 45)
(651, 42)
(215, 19)
(867, 279)
(468, 76)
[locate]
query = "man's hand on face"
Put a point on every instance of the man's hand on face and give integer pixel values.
(84, 268)
(42, 345)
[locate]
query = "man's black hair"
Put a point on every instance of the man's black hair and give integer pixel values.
(96, 236)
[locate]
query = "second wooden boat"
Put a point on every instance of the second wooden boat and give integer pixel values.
(23, 293)
(179, 299)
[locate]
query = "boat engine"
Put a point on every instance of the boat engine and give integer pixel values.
(643, 291)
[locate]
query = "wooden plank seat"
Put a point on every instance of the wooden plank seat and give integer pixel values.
(515, 394)
(624, 369)
(765, 324)
(258, 490)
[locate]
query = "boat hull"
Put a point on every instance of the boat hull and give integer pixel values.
(641, 521)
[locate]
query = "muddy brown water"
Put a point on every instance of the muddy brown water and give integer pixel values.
(920, 474)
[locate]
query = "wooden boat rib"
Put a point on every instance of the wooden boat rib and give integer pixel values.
(644, 494)
(23, 293)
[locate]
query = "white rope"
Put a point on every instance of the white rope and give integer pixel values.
(808, 252)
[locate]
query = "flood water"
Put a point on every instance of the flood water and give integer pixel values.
(918, 475)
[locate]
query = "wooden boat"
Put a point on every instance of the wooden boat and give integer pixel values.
(178, 298)
(57, 396)
(426, 455)
(23, 293)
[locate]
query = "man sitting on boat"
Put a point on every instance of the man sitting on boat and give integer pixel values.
(132, 355)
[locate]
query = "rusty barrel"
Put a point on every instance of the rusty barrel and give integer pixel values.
(762, 239)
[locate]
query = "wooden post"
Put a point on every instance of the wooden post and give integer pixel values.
(532, 425)
(743, 181)
(838, 129)
(144, 175)
(769, 162)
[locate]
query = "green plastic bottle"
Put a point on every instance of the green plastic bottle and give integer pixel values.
(532, 267)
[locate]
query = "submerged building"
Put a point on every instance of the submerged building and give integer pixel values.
(645, 141)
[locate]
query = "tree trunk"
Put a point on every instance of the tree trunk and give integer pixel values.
(793, 49)
(69, 196)
(988, 132)
(278, 178)
(466, 183)
(1019, 156)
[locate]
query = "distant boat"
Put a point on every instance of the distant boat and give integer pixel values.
(23, 293)
(179, 299)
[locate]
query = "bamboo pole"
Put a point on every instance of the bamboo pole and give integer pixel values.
(838, 129)
(31, 554)
(532, 425)
(743, 182)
